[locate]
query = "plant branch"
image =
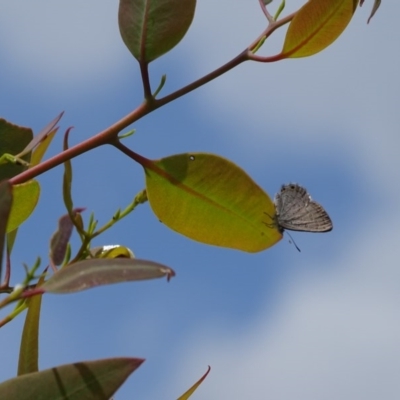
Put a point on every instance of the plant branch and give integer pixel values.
(144, 70)
(109, 135)
(243, 56)
(104, 137)
(143, 161)
(270, 18)
(272, 26)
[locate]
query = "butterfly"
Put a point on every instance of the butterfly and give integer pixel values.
(296, 211)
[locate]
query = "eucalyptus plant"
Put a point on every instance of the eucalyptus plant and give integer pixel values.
(203, 196)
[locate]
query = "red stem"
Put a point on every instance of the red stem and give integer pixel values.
(144, 70)
(108, 136)
(32, 292)
(104, 137)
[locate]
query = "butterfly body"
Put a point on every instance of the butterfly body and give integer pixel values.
(296, 211)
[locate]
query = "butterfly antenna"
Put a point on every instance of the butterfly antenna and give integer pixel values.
(293, 242)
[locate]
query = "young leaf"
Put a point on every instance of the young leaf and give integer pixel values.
(59, 240)
(212, 200)
(112, 251)
(188, 393)
(94, 272)
(29, 349)
(13, 139)
(375, 7)
(26, 196)
(67, 178)
(82, 380)
(151, 28)
(41, 149)
(6, 199)
(316, 26)
(47, 130)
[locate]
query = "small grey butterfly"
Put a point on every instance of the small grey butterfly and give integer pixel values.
(296, 211)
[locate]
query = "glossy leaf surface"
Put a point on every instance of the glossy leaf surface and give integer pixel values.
(26, 196)
(79, 381)
(316, 26)
(212, 200)
(90, 273)
(151, 28)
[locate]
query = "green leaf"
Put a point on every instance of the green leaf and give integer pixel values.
(6, 199)
(212, 200)
(316, 26)
(151, 28)
(13, 139)
(11, 236)
(29, 349)
(42, 147)
(188, 393)
(90, 273)
(86, 380)
(67, 178)
(26, 196)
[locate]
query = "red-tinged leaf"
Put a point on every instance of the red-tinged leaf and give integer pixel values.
(188, 393)
(90, 273)
(41, 135)
(26, 196)
(13, 139)
(59, 240)
(316, 26)
(151, 28)
(29, 349)
(86, 380)
(6, 200)
(208, 198)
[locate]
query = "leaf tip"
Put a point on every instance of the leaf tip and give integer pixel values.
(170, 273)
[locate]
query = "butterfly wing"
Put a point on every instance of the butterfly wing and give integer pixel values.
(290, 201)
(296, 211)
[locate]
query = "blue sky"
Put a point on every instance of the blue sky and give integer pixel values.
(323, 323)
